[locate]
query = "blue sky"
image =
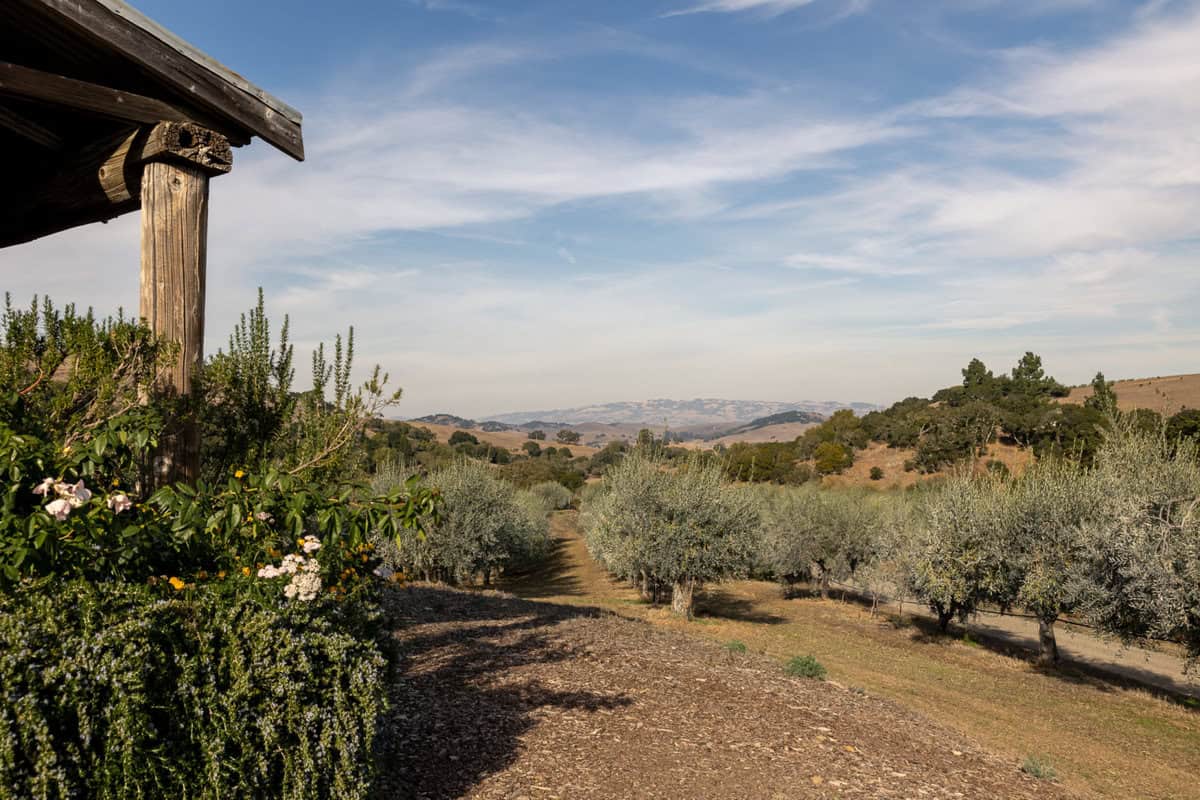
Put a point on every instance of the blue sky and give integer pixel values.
(538, 204)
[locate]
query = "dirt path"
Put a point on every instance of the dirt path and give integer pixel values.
(1106, 738)
(499, 697)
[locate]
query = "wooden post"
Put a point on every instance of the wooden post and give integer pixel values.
(174, 197)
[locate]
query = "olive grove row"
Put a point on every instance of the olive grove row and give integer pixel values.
(1116, 543)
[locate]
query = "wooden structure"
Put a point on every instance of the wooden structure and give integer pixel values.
(103, 112)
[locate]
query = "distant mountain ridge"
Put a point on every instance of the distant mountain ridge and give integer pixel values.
(681, 414)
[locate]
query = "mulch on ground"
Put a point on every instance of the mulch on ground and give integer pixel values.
(497, 697)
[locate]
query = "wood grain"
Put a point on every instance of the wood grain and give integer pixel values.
(174, 260)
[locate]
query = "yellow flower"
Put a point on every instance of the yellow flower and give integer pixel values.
(178, 584)
(201, 575)
(221, 575)
(239, 474)
(246, 571)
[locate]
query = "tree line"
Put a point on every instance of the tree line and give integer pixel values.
(1113, 540)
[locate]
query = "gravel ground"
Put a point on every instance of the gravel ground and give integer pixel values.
(497, 697)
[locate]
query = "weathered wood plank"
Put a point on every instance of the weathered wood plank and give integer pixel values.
(214, 87)
(27, 128)
(174, 262)
(33, 84)
(104, 180)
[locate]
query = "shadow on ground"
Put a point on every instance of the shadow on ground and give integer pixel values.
(464, 690)
(1102, 677)
(714, 601)
(551, 578)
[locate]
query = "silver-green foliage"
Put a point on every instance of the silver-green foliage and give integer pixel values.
(821, 533)
(107, 691)
(958, 553)
(485, 526)
(556, 496)
(1048, 506)
(680, 527)
(1143, 545)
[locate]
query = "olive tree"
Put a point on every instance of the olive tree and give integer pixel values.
(887, 569)
(484, 527)
(824, 534)
(1048, 507)
(958, 556)
(1143, 547)
(680, 527)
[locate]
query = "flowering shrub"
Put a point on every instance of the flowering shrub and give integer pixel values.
(213, 640)
(108, 691)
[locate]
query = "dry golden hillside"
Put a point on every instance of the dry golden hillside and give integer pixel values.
(891, 461)
(509, 440)
(1166, 395)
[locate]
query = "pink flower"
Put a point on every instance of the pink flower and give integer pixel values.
(119, 503)
(43, 487)
(59, 509)
(78, 494)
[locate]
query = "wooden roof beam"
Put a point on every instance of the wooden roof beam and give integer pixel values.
(28, 129)
(104, 180)
(55, 90)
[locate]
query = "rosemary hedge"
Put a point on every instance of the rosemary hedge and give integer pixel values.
(114, 691)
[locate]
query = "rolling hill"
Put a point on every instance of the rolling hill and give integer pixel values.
(1167, 395)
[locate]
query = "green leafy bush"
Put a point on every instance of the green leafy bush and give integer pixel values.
(735, 646)
(110, 691)
(805, 667)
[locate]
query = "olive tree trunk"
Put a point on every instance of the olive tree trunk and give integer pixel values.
(944, 615)
(1048, 652)
(681, 597)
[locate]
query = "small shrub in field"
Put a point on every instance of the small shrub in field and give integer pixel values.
(805, 667)
(1039, 767)
(734, 646)
(876, 473)
(555, 495)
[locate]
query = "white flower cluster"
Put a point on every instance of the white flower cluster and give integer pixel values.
(70, 496)
(305, 583)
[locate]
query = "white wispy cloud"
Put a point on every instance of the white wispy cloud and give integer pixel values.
(768, 8)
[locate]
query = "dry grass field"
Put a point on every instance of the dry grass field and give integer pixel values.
(784, 432)
(1105, 739)
(509, 440)
(1166, 395)
(891, 461)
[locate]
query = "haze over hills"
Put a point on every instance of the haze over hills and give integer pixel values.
(679, 414)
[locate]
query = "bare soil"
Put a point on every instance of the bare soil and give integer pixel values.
(1105, 736)
(499, 697)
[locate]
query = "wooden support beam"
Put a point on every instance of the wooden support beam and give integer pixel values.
(26, 128)
(104, 180)
(174, 199)
(44, 87)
